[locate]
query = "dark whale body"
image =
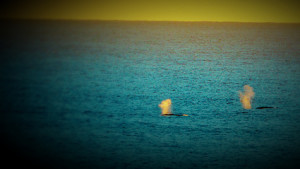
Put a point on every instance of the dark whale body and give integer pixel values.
(174, 114)
(265, 107)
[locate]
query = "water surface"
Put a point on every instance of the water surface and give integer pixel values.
(85, 94)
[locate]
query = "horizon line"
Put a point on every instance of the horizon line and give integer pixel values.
(124, 20)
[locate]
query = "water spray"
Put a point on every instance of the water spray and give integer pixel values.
(166, 108)
(246, 97)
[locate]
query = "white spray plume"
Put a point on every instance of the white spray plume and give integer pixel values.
(166, 106)
(247, 96)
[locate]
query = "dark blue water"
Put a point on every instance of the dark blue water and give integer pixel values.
(85, 94)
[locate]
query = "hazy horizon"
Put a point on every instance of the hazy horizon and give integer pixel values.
(118, 20)
(186, 11)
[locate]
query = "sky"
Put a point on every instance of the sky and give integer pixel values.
(155, 10)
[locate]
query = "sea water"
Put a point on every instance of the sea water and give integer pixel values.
(85, 94)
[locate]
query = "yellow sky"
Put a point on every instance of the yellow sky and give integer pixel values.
(161, 10)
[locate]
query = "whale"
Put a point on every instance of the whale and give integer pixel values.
(171, 114)
(265, 107)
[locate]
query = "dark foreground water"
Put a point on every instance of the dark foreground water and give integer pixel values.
(86, 94)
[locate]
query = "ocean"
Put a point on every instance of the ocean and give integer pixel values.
(85, 94)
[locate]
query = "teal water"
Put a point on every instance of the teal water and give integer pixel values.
(85, 94)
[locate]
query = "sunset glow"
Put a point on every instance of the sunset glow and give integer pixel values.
(156, 10)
